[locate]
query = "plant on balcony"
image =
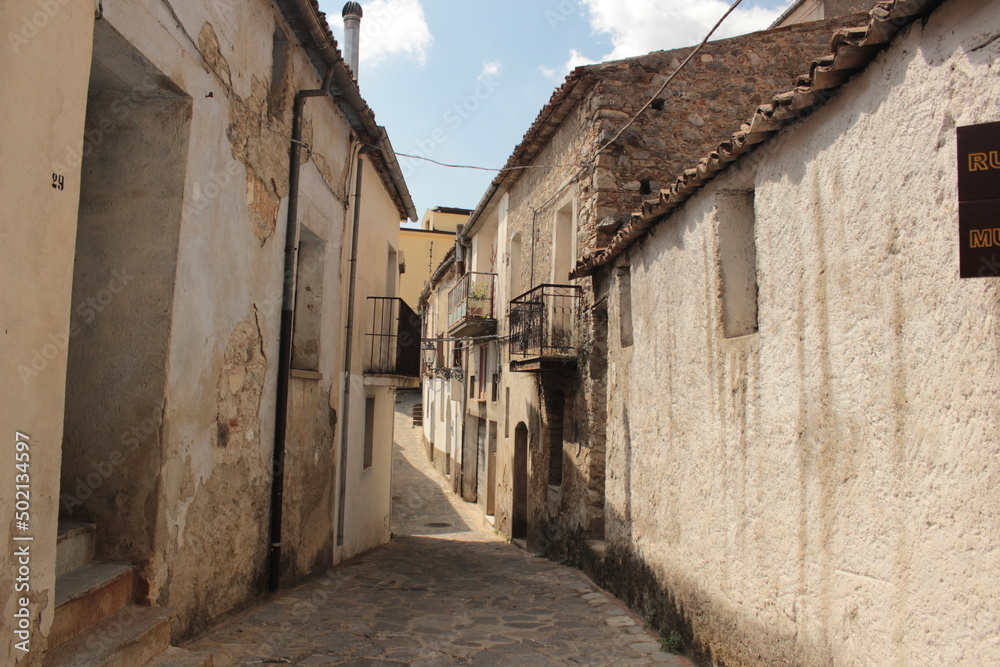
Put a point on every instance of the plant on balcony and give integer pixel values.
(479, 299)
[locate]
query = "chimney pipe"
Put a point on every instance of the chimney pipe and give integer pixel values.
(352, 35)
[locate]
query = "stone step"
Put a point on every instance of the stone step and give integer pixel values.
(74, 545)
(88, 595)
(132, 637)
(178, 657)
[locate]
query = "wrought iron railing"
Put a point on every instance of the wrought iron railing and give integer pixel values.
(393, 341)
(472, 298)
(543, 322)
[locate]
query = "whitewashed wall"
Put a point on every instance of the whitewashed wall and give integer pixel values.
(824, 491)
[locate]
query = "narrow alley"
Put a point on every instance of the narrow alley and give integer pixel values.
(445, 591)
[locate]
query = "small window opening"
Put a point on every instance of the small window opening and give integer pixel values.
(506, 413)
(737, 259)
(625, 305)
(276, 97)
(658, 103)
(645, 187)
(369, 431)
(557, 414)
(307, 333)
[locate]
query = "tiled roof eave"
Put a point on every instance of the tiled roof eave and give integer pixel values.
(852, 50)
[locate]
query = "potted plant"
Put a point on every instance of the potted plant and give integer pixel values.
(479, 299)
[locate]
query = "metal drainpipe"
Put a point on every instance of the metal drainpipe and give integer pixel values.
(285, 334)
(345, 419)
(534, 218)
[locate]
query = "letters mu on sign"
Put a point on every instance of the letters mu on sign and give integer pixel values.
(979, 200)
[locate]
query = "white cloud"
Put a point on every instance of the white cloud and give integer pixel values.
(491, 69)
(640, 26)
(575, 60)
(390, 28)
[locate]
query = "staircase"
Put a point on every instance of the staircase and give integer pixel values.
(418, 414)
(97, 621)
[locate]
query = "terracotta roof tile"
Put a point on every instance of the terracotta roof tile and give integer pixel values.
(851, 50)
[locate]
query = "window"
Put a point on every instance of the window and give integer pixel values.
(514, 284)
(625, 306)
(564, 245)
(506, 414)
(369, 431)
(555, 415)
(276, 97)
(306, 335)
(737, 259)
(484, 372)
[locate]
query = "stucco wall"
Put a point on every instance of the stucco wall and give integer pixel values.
(42, 125)
(423, 251)
(368, 492)
(822, 491)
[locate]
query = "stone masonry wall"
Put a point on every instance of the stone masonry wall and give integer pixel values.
(704, 104)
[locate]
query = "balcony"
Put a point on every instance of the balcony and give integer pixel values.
(392, 344)
(543, 330)
(471, 306)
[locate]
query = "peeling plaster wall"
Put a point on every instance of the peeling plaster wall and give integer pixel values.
(221, 379)
(42, 126)
(823, 491)
(197, 522)
(126, 253)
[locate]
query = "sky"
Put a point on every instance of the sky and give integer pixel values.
(460, 81)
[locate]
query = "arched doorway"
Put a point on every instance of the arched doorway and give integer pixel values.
(519, 520)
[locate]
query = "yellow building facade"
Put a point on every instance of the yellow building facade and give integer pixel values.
(424, 248)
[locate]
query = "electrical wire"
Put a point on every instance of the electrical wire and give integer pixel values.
(590, 161)
(492, 169)
(670, 78)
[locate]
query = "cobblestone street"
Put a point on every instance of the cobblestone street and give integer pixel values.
(445, 591)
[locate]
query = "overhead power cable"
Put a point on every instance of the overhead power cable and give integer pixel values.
(670, 78)
(493, 169)
(590, 161)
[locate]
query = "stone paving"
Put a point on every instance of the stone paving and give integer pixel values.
(445, 591)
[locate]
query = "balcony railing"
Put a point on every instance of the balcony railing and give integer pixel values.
(393, 341)
(543, 324)
(471, 304)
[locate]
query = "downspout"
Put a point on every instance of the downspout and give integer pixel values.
(285, 332)
(354, 106)
(534, 218)
(345, 420)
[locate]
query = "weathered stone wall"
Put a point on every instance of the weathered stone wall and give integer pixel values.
(821, 492)
(574, 507)
(704, 104)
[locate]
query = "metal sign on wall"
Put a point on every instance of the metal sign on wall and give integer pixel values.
(979, 200)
